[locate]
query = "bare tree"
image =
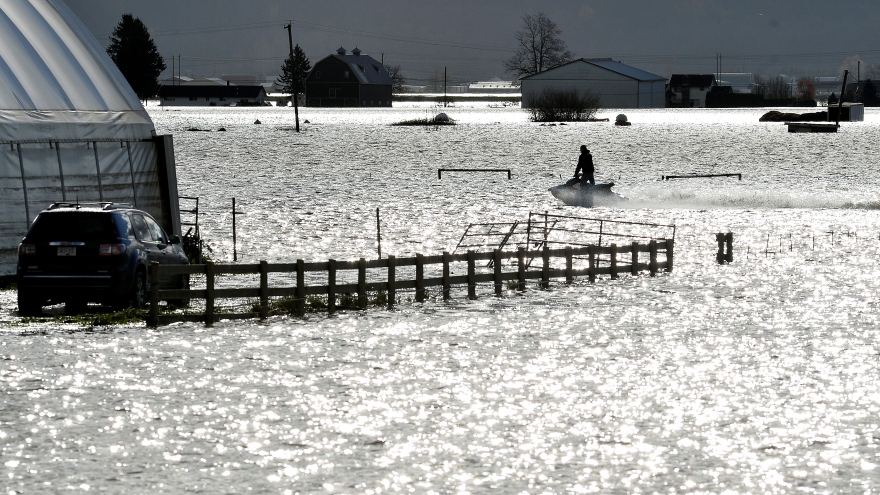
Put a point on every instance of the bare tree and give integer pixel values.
(872, 71)
(435, 82)
(806, 90)
(852, 64)
(397, 78)
(540, 47)
(773, 88)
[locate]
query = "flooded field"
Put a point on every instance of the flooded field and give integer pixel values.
(755, 376)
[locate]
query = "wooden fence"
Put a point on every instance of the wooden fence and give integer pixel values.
(700, 176)
(620, 259)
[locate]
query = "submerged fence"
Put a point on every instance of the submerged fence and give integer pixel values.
(578, 261)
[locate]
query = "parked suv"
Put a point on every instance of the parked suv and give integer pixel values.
(78, 253)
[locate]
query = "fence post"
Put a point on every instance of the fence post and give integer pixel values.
(719, 238)
(652, 248)
(545, 269)
(634, 269)
(445, 280)
(331, 286)
(728, 238)
(496, 260)
(392, 280)
(521, 268)
(591, 271)
(471, 273)
(362, 283)
(154, 295)
(569, 276)
(420, 278)
(264, 289)
(209, 293)
(670, 253)
(613, 261)
(300, 288)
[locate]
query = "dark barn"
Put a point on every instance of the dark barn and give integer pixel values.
(343, 80)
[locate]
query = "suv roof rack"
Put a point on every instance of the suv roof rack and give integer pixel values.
(104, 205)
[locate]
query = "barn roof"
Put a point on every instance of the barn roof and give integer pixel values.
(367, 69)
(56, 80)
(613, 66)
(623, 69)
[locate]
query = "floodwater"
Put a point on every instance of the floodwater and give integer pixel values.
(758, 376)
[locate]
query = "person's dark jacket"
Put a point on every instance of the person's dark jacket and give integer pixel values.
(585, 165)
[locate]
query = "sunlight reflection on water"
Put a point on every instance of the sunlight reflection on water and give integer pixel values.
(758, 376)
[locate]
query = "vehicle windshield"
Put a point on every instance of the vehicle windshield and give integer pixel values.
(73, 226)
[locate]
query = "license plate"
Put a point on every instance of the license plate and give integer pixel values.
(66, 251)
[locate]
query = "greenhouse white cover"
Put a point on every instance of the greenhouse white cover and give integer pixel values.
(71, 128)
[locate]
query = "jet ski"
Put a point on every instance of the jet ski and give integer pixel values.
(573, 193)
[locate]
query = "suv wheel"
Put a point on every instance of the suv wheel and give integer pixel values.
(28, 304)
(75, 306)
(139, 293)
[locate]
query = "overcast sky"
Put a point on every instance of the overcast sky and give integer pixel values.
(472, 38)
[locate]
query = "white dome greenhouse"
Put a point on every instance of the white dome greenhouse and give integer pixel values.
(71, 127)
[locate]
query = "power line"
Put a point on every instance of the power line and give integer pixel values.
(329, 29)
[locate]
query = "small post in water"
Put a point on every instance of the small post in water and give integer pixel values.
(378, 233)
(728, 239)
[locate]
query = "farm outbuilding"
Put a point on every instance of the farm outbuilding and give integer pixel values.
(343, 80)
(616, 84)
(71, 128)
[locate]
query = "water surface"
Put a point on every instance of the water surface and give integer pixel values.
(754, 377)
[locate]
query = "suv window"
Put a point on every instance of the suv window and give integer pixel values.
(158, 233)
(74, 226)
(148, 230)
(140, 227)
(123, 224)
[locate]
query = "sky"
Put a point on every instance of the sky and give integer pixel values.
(471, 39)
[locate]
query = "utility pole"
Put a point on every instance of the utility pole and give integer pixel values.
(293, 75)
(445, 101)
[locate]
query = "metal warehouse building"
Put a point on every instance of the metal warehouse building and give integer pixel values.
(616, 84)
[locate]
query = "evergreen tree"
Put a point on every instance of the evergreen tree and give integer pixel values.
(135, 54)
(870, 98)
(300, 66)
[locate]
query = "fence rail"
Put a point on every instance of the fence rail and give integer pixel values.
(617, 263)
(441, 170)
(700, 176)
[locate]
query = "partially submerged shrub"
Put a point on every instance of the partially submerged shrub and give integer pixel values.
(432, 121)
(563, 105)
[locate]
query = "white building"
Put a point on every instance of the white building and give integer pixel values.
(492, 86)
(690, 90)
(616, 84)
(71, 128)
